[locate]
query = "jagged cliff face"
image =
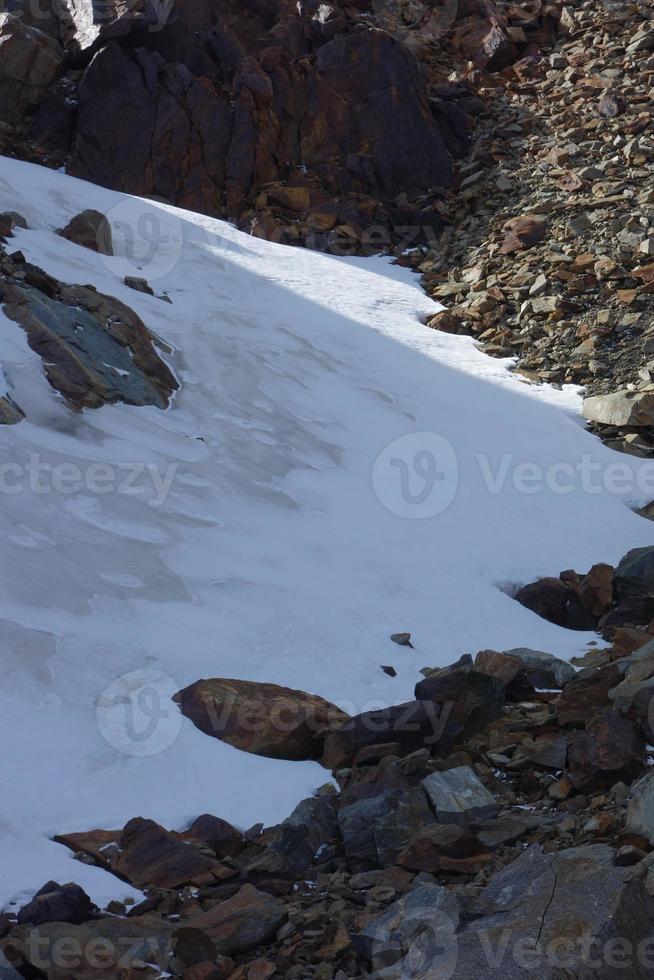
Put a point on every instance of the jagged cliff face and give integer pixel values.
(301, 121)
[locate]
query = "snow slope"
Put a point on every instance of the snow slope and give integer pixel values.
(282, 551)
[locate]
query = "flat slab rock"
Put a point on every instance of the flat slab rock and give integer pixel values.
(459, 797)
(248, 919)
(144, 853)
(545, 915)
(265, 719)
(95, 349)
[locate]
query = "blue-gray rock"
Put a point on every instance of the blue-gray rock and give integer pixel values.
(640, 809)
(458, 796)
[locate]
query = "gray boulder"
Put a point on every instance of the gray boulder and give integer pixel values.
(559, 915)
(458, 796)
(640, 809)
(632, 408)
(543, 669)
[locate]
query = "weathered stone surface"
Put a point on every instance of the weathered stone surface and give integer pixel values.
(91, 229)
(458, 796)
(377, 829)
(635, 572)
(557, 602)
(596, 589)
(29, 62)
(587, 694)
(95, 349)
(640, 809)
(416, 933)
(469, 700)
(542, 904)
(144, 853)
(632, 408)
(265, 719)
(249, 919)
(303, 839)
(444, 847)
(215, 833)
(406, 725)
(609, 750)
(57, 903)
(10, 413)
(543, 669)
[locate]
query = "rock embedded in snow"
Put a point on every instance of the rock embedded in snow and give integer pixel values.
(90, 229)
(10, 413)
(458, 796)
(57, 903)
(265, 719)
(628, 408)
(557, 602)
(29, 62)
(402, 639)
(543, 669)
(95, 349)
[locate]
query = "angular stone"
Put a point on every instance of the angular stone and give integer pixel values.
(415, 936)
(621, 408)
(444, 847)
(469, 700)
(459, 797)
(95, 349)
(635, 572)
(150, 855)
(543, 670)
(410, 726)
(10, 413)
(640, 808)
(377, 829)
(57, 903)
(610, 750)
(264, 719)
(248, 920)
(29, 63)
(556, 602)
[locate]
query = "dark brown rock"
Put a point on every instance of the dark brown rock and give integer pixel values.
(90, 229)
(30, 62)
(557, 602)
(265, 719)
(248, 920)
(610, 750)
(57, 903)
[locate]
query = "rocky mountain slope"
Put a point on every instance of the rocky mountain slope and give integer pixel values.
(292, 683)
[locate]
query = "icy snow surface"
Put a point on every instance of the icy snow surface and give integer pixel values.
(281, 552)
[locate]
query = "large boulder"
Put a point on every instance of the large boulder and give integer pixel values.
(264, 719)
(610, 750)
(621, 408)
(29, 62)
(146, 854)
(95, 349)
(376, 830)
(91, 229)
(634, 574)
(57, 903)
(404, 726)
(544, 915)
(555, 601)
(468, 699)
